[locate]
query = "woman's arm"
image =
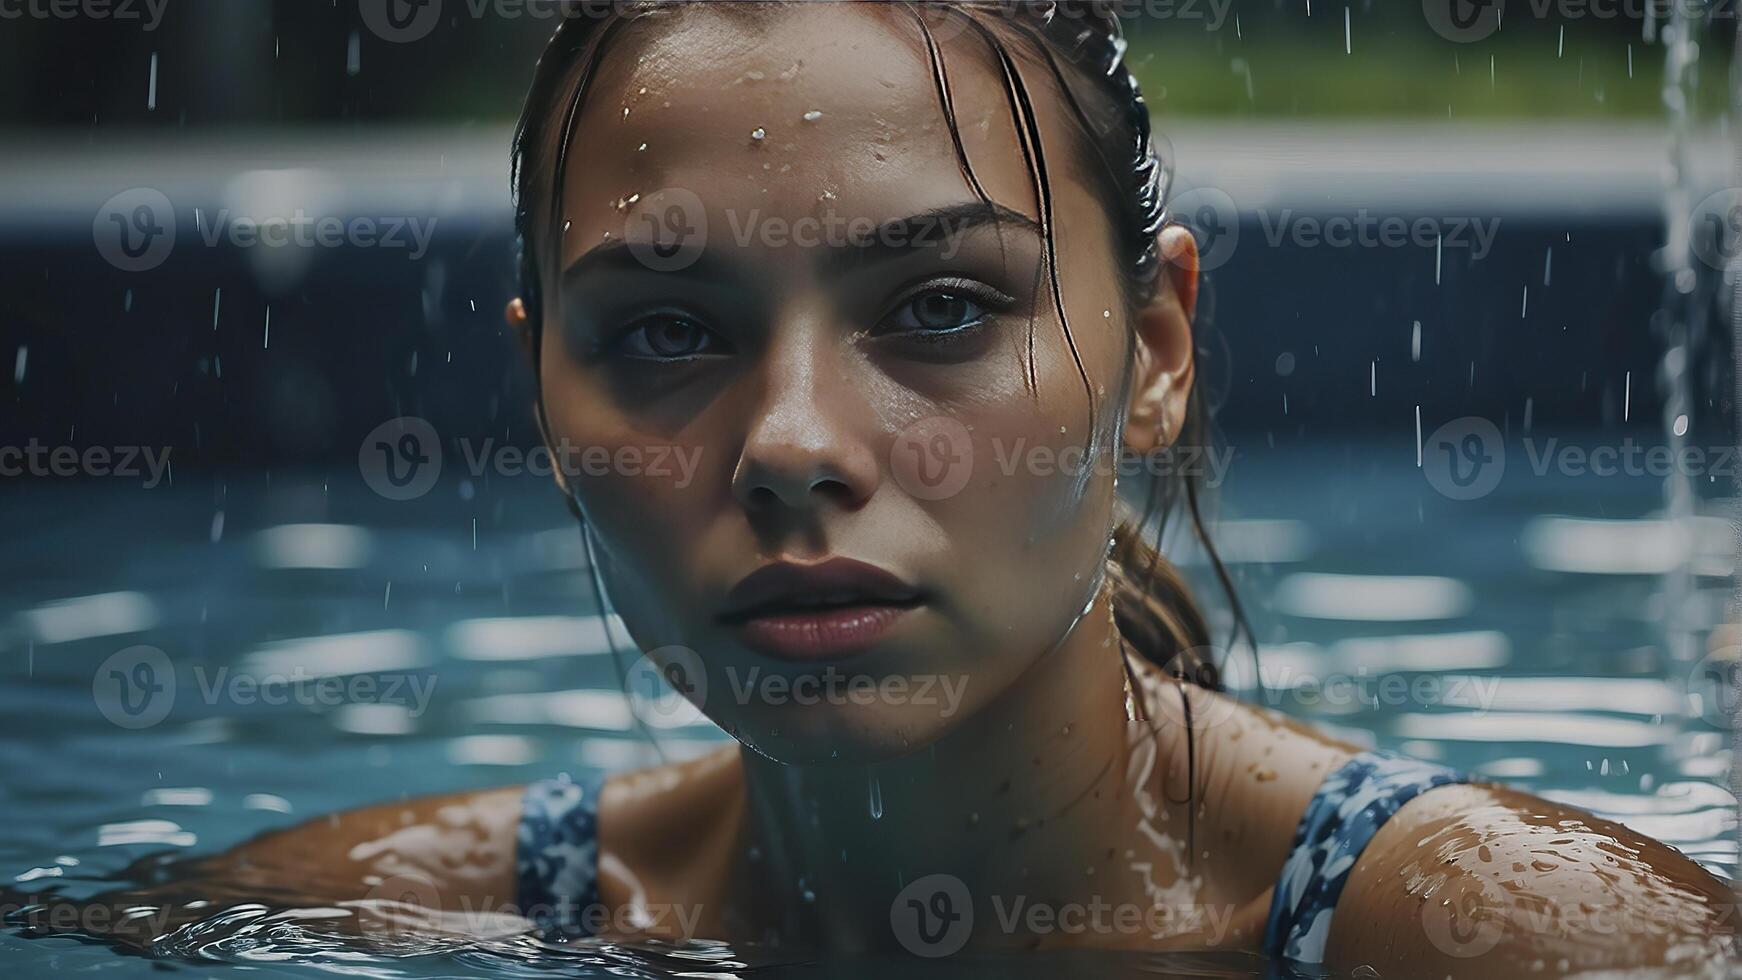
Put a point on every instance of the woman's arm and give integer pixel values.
(443, 863)
(1479, 880)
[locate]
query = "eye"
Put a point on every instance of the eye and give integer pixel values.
(941, 309)
(667, 337)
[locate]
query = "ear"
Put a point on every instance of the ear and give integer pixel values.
(1164, 372)
(520, 323)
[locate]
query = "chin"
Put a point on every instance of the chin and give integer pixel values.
(842, 734)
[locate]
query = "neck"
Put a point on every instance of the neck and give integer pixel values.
(1026, 798)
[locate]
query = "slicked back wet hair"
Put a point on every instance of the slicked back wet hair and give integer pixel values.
(1070, 49)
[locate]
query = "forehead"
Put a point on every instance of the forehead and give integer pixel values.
(794, 110)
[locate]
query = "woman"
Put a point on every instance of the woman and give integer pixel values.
(854, 259)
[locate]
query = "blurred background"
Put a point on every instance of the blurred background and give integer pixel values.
(1460, 254)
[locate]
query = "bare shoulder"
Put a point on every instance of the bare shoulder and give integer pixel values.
(1253, 771)
(1482, 880)
(669, 834)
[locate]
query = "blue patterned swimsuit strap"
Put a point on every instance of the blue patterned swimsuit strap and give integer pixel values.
(557, 855)
(1343, 816)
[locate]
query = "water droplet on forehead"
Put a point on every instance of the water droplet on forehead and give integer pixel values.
(813, 115)
(759, 134)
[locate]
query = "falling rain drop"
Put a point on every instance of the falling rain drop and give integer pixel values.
(19, 363)
(151, 89)
(876, 799)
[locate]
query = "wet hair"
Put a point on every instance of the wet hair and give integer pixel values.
(1080, 46)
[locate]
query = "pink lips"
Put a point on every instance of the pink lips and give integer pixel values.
(827, 610)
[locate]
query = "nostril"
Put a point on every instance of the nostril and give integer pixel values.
(832, 488)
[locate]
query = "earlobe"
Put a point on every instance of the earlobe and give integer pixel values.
(1164, 370)
(518, 322)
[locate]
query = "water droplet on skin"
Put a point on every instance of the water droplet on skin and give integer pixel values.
(759, 134)
(642, 148)
(813, 115)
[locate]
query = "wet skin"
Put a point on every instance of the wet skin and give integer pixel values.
(791, 373)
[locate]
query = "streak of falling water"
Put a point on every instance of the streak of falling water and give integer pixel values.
(1678, 316)
(876, 799)
(1733, 271)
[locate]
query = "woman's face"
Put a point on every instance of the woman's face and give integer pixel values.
(788, 338)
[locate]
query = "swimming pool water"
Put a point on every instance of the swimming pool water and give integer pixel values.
(459, 648)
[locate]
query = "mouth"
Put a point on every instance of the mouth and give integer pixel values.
(821, 611)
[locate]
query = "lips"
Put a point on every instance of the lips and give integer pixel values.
(821, 611)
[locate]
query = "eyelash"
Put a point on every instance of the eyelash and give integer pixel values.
(992, 300)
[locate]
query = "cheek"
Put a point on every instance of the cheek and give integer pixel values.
(646, 494)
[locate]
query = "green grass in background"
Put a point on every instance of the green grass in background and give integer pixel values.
(1194, 73)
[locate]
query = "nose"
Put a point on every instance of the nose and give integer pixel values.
(804, 451)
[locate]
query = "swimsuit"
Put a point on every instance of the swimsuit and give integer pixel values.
(557, 854)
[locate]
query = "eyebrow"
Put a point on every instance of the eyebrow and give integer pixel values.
(888, 241)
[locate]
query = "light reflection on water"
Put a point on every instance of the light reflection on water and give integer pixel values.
(1536, 623)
